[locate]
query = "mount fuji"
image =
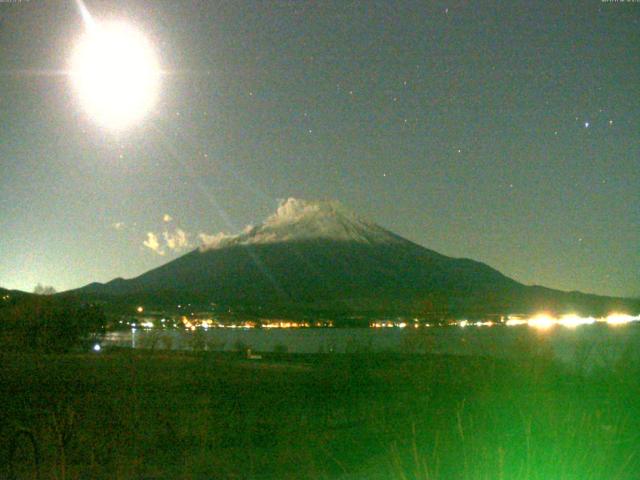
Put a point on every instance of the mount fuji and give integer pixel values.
(313, 258)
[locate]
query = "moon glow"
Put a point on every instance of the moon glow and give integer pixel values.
(116, 74)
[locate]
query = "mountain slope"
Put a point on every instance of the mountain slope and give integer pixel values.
(7, 294)
(319, 257)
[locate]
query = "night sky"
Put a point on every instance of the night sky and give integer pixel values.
(507, 133)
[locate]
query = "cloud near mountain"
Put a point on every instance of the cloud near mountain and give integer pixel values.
(176, 241)
(296, 220)
(153, 243)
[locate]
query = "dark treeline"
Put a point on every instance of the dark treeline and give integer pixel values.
(48, 324)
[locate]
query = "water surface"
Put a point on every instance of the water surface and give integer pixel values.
(585, 346)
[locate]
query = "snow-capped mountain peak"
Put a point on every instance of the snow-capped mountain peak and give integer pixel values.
(298, 220)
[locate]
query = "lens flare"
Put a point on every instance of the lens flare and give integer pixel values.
(621, 319)
(573, 321)
(541, 322)
(544, 321)
(514, 322)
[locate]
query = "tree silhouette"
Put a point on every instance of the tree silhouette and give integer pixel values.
(44, 290)
(50, 324)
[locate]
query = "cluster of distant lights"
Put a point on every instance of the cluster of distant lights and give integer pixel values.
(190, 323)
(540, 321)
(208, 323)
(147, 324)
(545, 322)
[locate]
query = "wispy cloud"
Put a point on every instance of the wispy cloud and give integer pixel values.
(118, 225)
(293, 219)
(217, 240)
(176, 240)
(152, 242)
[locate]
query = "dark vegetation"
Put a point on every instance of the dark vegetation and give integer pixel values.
(199, 415)
(40, 323)
(70, 414)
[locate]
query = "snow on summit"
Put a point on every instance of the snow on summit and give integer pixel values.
(297, 220)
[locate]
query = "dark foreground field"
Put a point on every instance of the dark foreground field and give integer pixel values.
(153, 415)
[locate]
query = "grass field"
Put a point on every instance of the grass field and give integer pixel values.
(154, 415)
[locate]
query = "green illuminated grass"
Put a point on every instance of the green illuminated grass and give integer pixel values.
(127, 414)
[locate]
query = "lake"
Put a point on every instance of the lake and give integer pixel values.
(585, 346)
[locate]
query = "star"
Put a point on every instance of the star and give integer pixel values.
(586, 124)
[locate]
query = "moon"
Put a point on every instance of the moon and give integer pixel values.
(116, 74)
